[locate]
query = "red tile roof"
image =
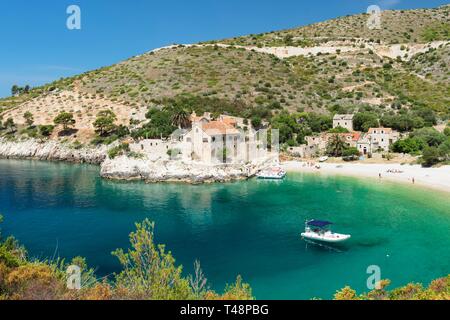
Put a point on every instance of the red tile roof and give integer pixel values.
(219, 128)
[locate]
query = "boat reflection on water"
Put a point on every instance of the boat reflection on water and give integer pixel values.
(321, 246)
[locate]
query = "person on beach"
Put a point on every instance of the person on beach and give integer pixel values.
(413, 180)
(379, 175)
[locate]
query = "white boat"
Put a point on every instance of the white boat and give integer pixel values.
(272, 173)
(323, 159)
(317, 230)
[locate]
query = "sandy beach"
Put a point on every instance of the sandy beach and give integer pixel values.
(435, 178)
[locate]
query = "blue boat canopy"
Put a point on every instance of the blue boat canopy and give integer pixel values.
(319, 223)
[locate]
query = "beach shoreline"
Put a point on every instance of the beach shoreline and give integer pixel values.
(414, 175)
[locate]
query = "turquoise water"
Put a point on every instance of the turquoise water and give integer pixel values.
(250, 228)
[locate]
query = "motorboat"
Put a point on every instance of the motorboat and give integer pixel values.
(323, 159)
(318, 230)
(275, 173)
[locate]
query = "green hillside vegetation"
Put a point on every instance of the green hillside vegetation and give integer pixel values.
(405, 26)
(434, 65)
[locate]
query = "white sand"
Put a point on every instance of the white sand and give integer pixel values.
(436, 178)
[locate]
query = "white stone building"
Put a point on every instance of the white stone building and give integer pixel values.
(377, 140)
(222, 140)
(225, 140)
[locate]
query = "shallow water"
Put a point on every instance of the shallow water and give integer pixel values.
(250, 228)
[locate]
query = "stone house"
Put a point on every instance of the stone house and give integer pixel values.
(225, 140)
(343, 121)
(377, 139)
(318, 144)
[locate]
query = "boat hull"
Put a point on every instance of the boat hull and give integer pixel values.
(270, 178)
(337, 238)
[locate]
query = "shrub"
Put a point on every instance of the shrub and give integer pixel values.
(408, 145)
(430, 157)
(46, 130)
(118, 150)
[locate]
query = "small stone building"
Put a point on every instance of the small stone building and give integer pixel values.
(343, 121)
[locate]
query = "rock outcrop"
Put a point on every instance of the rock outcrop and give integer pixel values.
(124, 168)
(51, 150)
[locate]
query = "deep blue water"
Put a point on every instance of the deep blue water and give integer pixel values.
(250, 228)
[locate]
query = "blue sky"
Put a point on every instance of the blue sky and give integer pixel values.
(38, 48)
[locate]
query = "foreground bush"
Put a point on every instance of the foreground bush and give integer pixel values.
(438, 289)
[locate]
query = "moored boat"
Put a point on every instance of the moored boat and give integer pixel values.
(275, 173)
(318, 230)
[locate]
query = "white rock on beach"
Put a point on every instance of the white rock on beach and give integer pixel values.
(125, 168)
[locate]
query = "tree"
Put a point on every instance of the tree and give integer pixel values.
(149, 272)
(427, 114)
(444, 149)
(430, 157)
(104, 123)
(15, 90)
(363, 121)
(336, 146)
(46, 130)
(29, 119)
(65, 119)
(351, 152)
(338, 129)
(256, 122)
(408, 145)
(10, 125)
(402, 122)
(430, 136)
(181, 118)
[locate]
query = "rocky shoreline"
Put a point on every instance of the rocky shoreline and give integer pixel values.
(126, 168)
(51, 151)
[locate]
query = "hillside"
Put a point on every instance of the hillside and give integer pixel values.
(405, 26)
(243, 76)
